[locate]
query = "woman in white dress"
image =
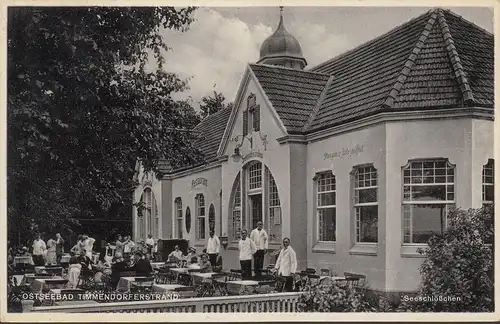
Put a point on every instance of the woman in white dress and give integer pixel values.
(287, 263)
(51, 252)
(74, 272)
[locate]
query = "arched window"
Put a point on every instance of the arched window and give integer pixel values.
(211, 218)
(200, 217)
(274, 208)
(188, 219)
(178, 214)
(148, 219)
(428, 196)
(235, 220)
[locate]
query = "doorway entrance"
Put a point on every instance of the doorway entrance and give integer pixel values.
(255, 210)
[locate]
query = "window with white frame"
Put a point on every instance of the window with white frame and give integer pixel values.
(489, 194)
(200, 217)
(274, 207)
(366, 204)
(428, 197)
(148, 221)
(178, 213)
(255, 175)
(326, 206)
(235, 221)
(489, 183)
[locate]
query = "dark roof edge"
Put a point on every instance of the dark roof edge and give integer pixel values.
(410, 62)
(318, 104)
(403, 25)
(467, 95)
(288, 68)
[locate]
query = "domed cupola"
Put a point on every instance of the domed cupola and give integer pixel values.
(282, 48)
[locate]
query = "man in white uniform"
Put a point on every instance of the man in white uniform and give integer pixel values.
(88, 243)
(247, 249)
(287, 263)
(213, 247)
(259, 236)
(38, 251)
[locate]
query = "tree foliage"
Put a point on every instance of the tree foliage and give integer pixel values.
(213, 103)
(82, 109)
(458, 264)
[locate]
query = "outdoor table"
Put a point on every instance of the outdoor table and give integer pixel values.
(165, 288)
(333, 278)
(124, 283)
(178, 271)
(22, 260)
(43, 269)
(157, 265)
(42, 285)
(65, 258)
(240, 287)
(197, 277)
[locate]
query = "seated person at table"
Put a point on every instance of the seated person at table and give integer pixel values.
(103, 268)
(142, 267)
(117, 267)
(191, 253)
(218, 264)
(74, 272)
(205, 265)
(177, 253)
(193, 263)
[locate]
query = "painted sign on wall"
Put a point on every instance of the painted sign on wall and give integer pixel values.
(345, 152)
(199, 181)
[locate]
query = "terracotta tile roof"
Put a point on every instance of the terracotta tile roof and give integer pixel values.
(293, 93)
(436, 60)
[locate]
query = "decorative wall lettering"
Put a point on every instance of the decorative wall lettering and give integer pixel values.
(199, 181)
(252, 155)
(345, 152)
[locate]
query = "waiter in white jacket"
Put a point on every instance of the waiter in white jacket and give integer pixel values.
(287, 263)
(213, 247)
(259, 236)
(247, 249)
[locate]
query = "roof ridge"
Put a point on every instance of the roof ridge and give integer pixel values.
(318, 104)
(456, 63)
(288, 68)
(374, 40)
(410, 62)
(454, 14)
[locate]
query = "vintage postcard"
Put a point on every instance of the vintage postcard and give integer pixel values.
(248, 161)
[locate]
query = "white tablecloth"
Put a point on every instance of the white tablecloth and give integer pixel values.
(198, 277)
(157, 265)
(124, 283)
(65, 258)
(165, 288)
(40, 285)
(22, 260)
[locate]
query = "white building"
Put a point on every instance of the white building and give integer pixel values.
(356, 160)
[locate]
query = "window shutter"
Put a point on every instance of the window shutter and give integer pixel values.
(256, 118)
(245, 122)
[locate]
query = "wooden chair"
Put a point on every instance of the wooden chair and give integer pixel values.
(142, 285)
(234, 275)
(355, 280)
(280, 284)
(219, 287)
(311, 270)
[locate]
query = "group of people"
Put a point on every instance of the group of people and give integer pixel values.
(255, 247)
(41, 252)
(125, 246)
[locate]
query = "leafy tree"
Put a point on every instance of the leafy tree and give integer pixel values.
(82, 110)
(211, 104)
(458, 264)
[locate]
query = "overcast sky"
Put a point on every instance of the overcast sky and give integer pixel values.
(223, 40)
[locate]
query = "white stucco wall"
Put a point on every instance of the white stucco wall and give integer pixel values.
(147, 181)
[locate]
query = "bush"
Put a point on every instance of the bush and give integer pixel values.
(459, 264)
(333, 297)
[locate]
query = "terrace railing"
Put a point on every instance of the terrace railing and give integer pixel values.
(262, 303)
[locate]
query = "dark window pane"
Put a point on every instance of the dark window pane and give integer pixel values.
(489, 193)
(367, 195)
(327, 223)
(326, 199)
(368, 220)
(427, 220)
(428, 193)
